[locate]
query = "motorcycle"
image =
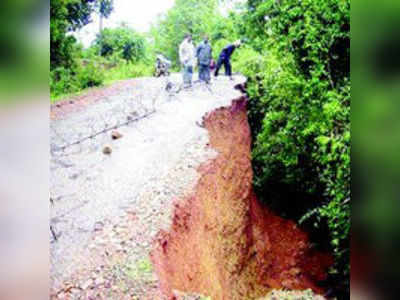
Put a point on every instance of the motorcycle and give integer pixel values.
(162, 66)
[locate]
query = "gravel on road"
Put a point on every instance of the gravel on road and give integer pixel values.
(106, 209)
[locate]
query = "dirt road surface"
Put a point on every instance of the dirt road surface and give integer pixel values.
(107, 208)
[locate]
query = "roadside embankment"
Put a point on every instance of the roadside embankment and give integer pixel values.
(222, 242)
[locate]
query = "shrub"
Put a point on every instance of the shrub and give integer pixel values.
(122, 40)
(62, 82)
(299, 112)
(67, 16)
(85, 74)
(91, 74)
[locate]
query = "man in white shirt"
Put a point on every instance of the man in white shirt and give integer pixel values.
(187, 59)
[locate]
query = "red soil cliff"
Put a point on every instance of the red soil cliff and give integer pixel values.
(222, 242)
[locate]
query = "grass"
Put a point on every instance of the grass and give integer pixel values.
(292, 295)
(141, 268)
(111, 75)
(126, 71)
(63, 96)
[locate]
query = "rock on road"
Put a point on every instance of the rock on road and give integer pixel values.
(106, 209)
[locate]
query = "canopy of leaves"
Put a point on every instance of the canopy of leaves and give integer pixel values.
(197, 17)
(67, 16)
(123, 40)
(300, 112)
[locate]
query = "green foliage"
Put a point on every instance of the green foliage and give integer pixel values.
(299, 92)
(61, 45)
(62, 81)
(187, 16)
(90, 74)
(122, 40)
(68, 73)
(85, 74)
(91, 71)
(296, 57)
(126, 70)
(74, 69)
(198, 18)
(67, 16)
(124, 52)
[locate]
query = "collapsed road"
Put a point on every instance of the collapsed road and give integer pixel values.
(154, 162)
(168, 210)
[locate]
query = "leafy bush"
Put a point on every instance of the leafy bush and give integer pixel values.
(68, 73)
(91, 74)
(122, 40)
(299, 92)
(67, 16)
(124, 57)
(128, 70)
(61, 82)
(187, 16)
(84, 75)
(218, 45)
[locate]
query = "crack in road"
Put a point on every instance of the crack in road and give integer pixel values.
(152, 164)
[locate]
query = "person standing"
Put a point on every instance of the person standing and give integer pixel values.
(187, 59)
(225, 58)
(204, 57)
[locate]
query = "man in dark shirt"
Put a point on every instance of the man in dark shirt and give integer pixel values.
(204, 57)
(225, 58)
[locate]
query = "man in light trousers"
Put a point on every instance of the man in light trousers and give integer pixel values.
(187, 59)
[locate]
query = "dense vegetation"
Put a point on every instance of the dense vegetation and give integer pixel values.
(296, 57)
(196, 17)
(122, 41)
(300, 114)
(117, 53)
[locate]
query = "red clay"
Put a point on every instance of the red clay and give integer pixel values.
(222, 242)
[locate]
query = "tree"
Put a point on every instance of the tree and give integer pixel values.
(67, 16)
(121, 40)
(187, 16)
(300, 114)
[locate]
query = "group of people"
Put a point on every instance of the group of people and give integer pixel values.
(202, 56)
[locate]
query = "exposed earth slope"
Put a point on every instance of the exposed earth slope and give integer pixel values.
(177, 183)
